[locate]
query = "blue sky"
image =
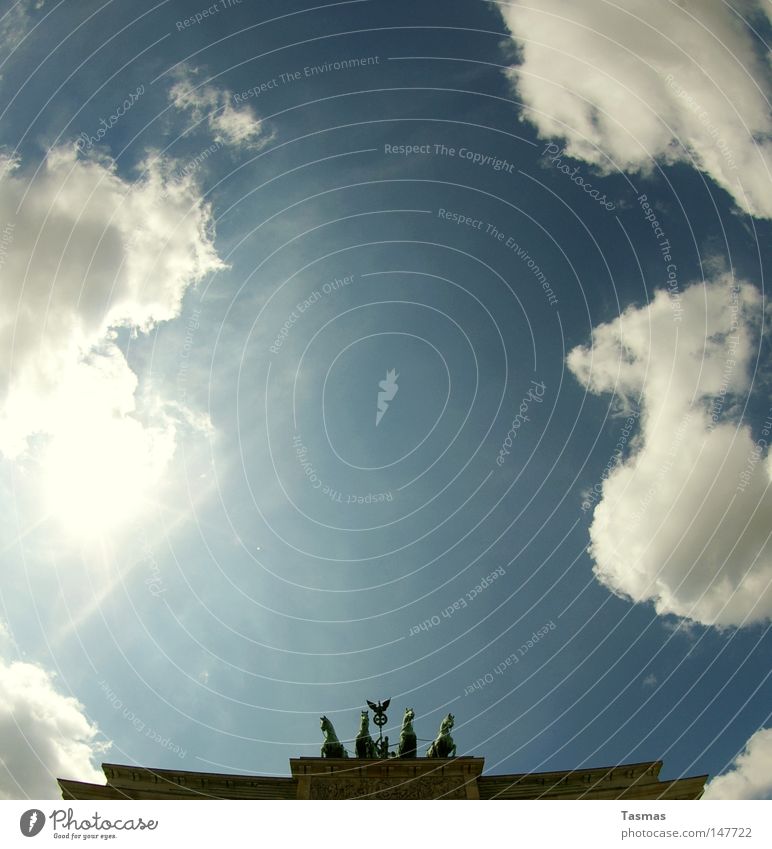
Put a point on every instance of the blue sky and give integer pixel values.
(223, 231)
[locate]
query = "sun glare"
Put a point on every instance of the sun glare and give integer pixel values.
(98, 478)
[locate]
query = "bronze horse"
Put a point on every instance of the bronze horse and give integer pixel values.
(443, 745)
(407, 740)
(332, 747)
(365, 747)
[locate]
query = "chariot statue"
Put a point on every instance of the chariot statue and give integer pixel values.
(380, 719)
(442, 746)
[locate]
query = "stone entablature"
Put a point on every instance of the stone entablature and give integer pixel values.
(628, 781)
(394, 778)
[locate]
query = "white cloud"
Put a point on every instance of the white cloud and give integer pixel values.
(750, 775)
(674, 524)
(228, 125)
(15, 24)
(45, 735)
(650, 78)
(84, 251)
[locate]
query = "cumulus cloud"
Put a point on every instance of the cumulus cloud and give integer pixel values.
(229, 125)
(622, 84)
(83, 252)
(750, 775)
(684, 519)
(46, 735)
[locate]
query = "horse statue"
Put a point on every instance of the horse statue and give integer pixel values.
(443, 745)
(365, 747)
(407, 739)
(332, 747)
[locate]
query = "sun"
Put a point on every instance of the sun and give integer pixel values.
(99, 475)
